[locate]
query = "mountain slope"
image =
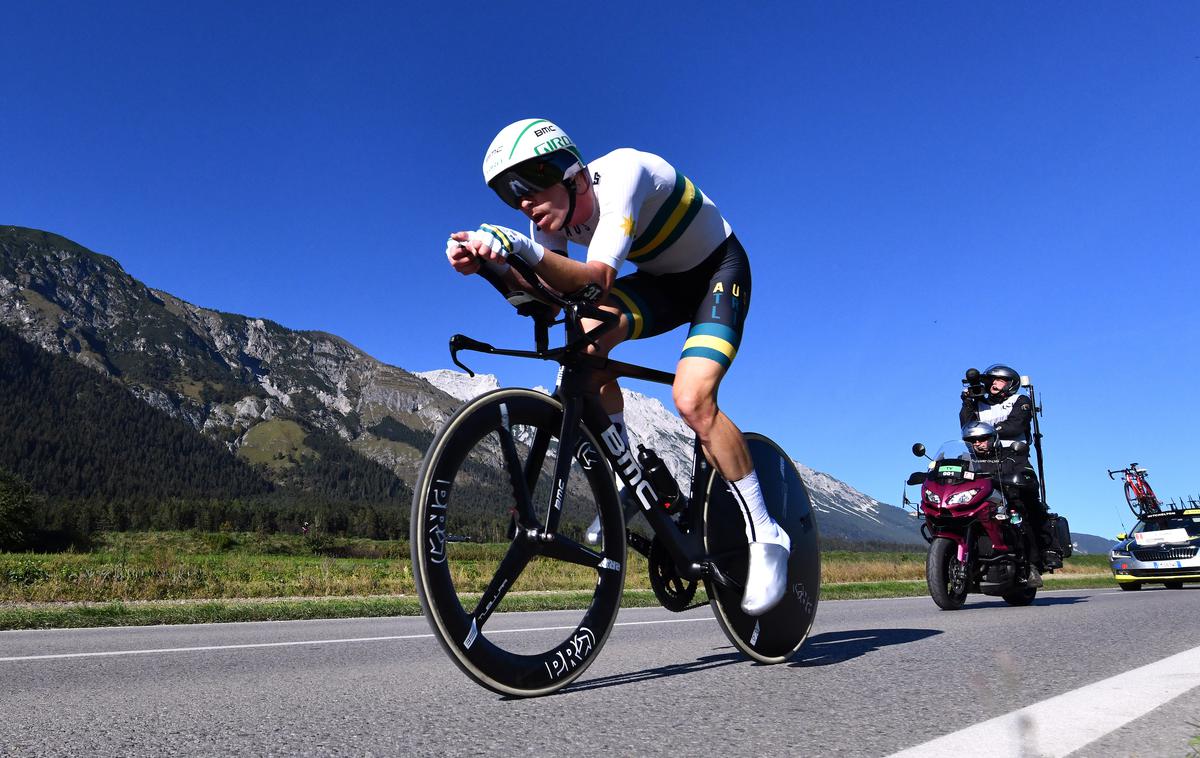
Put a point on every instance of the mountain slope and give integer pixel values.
(235, 378)
(81, 437)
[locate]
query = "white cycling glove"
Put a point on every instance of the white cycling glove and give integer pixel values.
(495, 268)
(506, 242)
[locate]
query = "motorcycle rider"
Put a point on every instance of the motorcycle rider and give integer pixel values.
(986, 444)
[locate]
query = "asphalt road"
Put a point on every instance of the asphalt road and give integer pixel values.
(876, 677)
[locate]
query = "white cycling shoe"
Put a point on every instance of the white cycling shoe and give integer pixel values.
(766, 580)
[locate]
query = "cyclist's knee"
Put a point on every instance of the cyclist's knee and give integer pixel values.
(696, 406)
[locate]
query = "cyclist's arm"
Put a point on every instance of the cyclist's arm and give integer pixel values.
(566, 275)
(560, 272)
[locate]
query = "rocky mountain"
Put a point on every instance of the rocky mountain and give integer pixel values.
(255, 386)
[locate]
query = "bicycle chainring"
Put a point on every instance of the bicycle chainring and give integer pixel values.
(673, 591)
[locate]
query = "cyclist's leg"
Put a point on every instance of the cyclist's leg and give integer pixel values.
(697, 381)
(710, 348)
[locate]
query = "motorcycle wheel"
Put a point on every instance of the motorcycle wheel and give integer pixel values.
(1023, 596)
(943, 555)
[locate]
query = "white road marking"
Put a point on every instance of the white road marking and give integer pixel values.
(1065, 723)
(252, 645)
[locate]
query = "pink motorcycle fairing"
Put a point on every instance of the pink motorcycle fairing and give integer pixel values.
(979, 506)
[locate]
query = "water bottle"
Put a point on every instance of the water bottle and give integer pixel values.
(660, 477)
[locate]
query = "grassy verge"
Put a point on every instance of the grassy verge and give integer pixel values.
(186, 577)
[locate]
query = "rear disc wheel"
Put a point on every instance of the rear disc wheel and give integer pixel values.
(775, 636)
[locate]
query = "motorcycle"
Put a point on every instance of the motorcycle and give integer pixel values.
(976, 542)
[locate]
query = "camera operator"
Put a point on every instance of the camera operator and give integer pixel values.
(993, 397)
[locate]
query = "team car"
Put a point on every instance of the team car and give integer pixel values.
(1161, 549)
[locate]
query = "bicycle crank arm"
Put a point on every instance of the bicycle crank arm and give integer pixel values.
(711, 570)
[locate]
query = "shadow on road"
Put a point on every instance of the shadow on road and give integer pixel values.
(1041, 601)
(702, 663)
(838, 647)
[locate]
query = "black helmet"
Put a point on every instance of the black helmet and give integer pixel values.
(1008, 374)
(973, 431)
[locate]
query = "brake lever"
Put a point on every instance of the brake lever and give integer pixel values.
(463, 342)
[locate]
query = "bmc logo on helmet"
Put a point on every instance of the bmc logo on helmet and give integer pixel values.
(544, 130)
(550, 145)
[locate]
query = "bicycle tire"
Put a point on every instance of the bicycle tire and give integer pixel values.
(462, 459)
(778, 634)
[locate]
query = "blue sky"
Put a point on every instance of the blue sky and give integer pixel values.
(922, 187)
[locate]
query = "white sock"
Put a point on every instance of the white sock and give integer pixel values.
(760, 527)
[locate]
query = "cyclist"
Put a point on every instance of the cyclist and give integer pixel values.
(986, 444)
(633, 206)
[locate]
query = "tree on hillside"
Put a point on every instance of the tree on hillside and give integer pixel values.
(16, 512)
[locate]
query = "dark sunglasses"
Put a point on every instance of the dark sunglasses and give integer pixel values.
(532, 176)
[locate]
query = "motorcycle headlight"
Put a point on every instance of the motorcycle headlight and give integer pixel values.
(962, 498)
(932, 497)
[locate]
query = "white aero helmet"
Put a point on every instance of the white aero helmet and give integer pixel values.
(529, 156)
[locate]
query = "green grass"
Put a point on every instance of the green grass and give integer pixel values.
(192, 577)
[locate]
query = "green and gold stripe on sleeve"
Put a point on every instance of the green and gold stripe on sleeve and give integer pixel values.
(670, 222)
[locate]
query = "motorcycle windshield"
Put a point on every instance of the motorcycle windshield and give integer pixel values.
(954, 450)
(955, 461)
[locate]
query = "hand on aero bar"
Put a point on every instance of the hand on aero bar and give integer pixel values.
(493, 244)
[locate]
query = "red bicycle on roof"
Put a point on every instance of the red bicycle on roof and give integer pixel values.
(1138, 493)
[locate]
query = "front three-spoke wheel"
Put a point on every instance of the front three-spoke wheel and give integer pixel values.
(489, 526)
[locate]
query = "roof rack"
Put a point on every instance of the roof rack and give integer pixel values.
(1172, 507)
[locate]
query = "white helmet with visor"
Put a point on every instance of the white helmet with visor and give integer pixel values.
(529, 156)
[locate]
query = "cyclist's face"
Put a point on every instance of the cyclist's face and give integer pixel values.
(548, 208)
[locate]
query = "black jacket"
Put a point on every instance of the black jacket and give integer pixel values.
(1016, 425)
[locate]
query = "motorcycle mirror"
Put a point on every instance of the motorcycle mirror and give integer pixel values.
(918, 449)
(916, 477)
(1020, 448)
